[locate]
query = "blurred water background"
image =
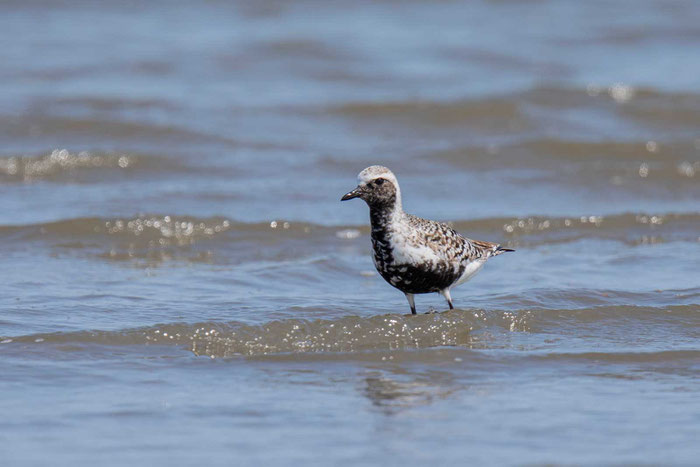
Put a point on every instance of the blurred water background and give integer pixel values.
(182, 286)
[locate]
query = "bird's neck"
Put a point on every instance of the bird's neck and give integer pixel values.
(383, 216)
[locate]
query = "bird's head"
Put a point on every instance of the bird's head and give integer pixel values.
(377, 186)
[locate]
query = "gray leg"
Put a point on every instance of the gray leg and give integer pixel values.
(446, 293)
(412, 302)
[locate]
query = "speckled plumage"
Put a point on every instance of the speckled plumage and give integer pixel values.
(416, 255)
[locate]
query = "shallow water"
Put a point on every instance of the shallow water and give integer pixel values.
(183, 286)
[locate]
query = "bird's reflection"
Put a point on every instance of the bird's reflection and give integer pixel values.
(397, 389)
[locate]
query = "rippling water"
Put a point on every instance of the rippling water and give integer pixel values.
(182, 285)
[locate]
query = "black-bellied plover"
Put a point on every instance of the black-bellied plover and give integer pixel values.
(416, 255)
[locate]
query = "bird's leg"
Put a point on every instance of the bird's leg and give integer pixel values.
(412, 302)
(446, 293)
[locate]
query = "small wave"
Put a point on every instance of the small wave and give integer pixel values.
(632, 97)
(633, 229)
(61, 161)
(298, 50)
(111, 129)
(149, 240)
(524, 108)
(652, 107)
(349, 334)
(64, 165)
(152, 239)
(454, 328)
(109, 104)
(179, 229)
(167, 230)
(620, 163)
(481, 113)
(575, 150)
(625, 357)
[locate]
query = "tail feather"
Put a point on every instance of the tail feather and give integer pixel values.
(490, 248)
(499, 249)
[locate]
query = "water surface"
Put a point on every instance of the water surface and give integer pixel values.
(183, 286)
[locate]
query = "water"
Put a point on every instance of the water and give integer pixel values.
(183, 286)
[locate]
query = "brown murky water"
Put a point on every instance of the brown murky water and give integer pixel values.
(181, 284)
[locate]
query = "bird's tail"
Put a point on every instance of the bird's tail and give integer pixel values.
(490, 248)
(499, 249)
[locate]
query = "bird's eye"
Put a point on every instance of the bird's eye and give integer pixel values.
(379, 181)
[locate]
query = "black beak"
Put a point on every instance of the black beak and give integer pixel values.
(353, 194)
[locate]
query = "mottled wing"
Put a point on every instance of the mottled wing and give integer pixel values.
(447, 243)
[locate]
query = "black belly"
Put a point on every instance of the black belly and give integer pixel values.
(419, 279)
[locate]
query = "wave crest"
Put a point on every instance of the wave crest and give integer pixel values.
(60, 161)
(473, 329)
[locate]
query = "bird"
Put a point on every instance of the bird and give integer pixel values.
(415, 255)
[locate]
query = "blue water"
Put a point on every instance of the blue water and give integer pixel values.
(182, 285)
